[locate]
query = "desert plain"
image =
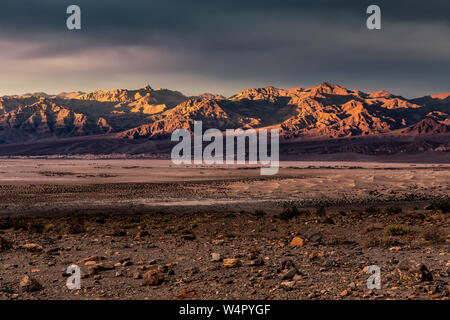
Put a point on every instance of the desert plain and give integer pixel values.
(148, 229)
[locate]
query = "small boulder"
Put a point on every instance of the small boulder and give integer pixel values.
(316, 237)
(32, 247)
(344, 293)
(289, 274)
(297, 242)
(232, 263)
(28, 284)
(287, 264)
(91, 258)
(188, 237)
(153, 278)
(288, 285)
(186, 295)
(142, 234)
(256, 262)
(423, 274)
(411, 272)
(95, 270)
(215, 257)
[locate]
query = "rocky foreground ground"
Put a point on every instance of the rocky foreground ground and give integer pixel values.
(285, 252)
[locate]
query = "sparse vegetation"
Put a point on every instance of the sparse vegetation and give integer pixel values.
(388, 242)
(394, 230)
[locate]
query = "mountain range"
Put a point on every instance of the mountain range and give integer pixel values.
(324, 112)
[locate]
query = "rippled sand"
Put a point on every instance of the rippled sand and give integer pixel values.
(46, 184)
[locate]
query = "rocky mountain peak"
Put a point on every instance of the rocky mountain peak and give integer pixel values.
(328, 88)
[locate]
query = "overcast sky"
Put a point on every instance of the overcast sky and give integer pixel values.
(224, 46)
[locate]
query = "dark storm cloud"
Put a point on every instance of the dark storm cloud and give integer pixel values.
(185, 16)
(225, 45)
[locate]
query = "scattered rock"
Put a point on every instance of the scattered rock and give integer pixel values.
(232, 263)
(316, 237)
(32, 247)
(28, 284)
(186, 294)
(297, 277)
(256, 262)
(154, 261)
(410, 272)
(287, 264)
(153, 278)
(94, 270)
(92, 258)
(49, 227)
(127, 263)
(344, 293)
(288, 284)
(142, 234)
(53, 251)
(315, 255)
(423, 273)
(289, 274)
(215, 257)
(188, 237)
(297, 242)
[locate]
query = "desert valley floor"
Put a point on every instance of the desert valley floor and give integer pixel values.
(147, 229)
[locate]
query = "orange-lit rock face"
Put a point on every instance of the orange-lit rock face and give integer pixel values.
(323, 111)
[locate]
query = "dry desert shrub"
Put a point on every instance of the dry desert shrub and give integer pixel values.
(394, 230)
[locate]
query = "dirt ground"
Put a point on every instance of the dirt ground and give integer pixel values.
(146, 230)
